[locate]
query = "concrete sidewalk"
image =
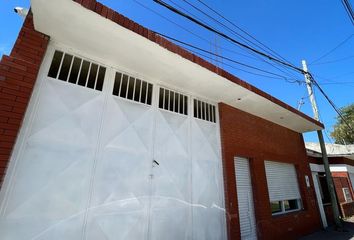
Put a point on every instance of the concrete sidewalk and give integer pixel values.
(330, 234)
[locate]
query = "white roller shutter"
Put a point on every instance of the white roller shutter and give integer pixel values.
(245, 199)
(282, 181)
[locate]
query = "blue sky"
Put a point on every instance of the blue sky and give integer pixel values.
(294, 29)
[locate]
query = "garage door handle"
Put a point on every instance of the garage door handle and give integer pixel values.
(155, 163)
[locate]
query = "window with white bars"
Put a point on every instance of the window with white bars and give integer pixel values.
(132, 88)
(76, 70)
(173, 101)
(204, 111)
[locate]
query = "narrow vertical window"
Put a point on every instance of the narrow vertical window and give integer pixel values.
(84, 73)
(199, 110)
(65, 67)
(166, 99)
(92, 76)
(195, 109)
(137, 90)
(180, 103)
(172, 98)
(100, 78)
(185, 109)
(144, 88)
(75, 70)
(176, 103)
(117, 83)
(54, 67)
(149, 95)
(123, 90)
(131, 88)
(161, 97)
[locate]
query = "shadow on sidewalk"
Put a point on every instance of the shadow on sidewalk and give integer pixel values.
(330, 234)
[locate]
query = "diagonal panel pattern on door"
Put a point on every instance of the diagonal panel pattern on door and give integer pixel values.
(121, 185)
(51, 185)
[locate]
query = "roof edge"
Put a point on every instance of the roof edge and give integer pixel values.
(125, 22)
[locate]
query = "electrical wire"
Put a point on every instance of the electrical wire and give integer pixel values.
(349, 10)
(258, 52)
(226, 36)
(236, 34)
(330, 102)
(191, 32)
(242, 30)
(223, 48)
(333, 49)
(231, 66)
(334, 61)
(219, 56)
(221, 24)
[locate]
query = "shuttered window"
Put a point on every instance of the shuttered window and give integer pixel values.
(283, 187)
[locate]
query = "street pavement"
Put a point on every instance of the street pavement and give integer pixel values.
(330, 234)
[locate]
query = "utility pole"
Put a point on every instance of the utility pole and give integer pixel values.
(329, 178)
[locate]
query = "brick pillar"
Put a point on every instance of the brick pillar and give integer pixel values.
(18, 74)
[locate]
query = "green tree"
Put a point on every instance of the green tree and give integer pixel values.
(343, 134)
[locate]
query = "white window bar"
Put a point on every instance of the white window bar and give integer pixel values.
(88, 74)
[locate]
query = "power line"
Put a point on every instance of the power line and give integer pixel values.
(225, 58)
(349, 10)
(237, 34)
(221, 24)
(173, 2)
(226, 36)
(256, 51)
(231, 66)
(338, 83)
(333, 49)
(334, 61)
(191, 32)
(242, 30)
(256, 57)
(330, 102)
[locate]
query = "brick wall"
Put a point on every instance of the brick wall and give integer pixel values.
(248, 136)
(341, 180)
(331, 160)
(347, 209)
(18, 73)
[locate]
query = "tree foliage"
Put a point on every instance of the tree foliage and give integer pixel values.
(341, 132)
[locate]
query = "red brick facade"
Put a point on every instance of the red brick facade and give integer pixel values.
(242, 134)
(248, 136)
(341, 180)
(18, 73)
(331, 160)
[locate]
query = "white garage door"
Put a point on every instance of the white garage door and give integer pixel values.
(104, 155)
